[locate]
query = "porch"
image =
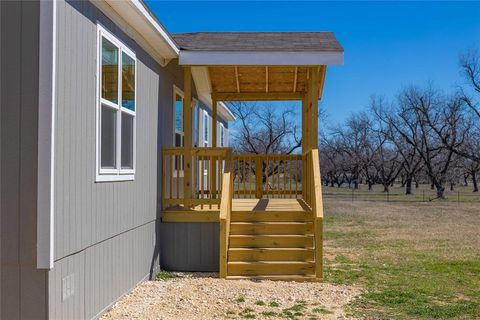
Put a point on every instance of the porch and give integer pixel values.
(268, 207)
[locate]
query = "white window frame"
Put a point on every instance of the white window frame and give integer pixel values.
(222, 135)
(117, 174)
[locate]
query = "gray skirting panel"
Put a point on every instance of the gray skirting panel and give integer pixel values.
(189, 246)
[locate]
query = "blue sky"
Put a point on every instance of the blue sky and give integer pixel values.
(388, 45)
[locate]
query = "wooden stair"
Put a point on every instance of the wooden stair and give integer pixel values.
(274, 245)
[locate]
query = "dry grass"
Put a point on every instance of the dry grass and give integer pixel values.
(415, 260)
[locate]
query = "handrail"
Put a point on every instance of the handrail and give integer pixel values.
(273, 175)
(206, 169)
(315, 200)
(225, 217)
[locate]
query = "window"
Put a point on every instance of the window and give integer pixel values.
(116, 109)
(206, 124)
(179, 133)
(222, 135)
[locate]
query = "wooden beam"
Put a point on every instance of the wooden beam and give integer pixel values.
(266, 79)
(256, 96)
(187, 127)
(214, 123)
(314, 92)
(236, 78)
(295, 80)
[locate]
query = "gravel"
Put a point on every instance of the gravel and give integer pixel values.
(205, 296)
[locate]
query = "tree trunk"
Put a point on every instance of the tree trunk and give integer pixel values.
(440, 192)
(355, 184)
(416, 184)
(475, 183)
(370, 184)
(408, 186)
(452, 186)
(385, 187)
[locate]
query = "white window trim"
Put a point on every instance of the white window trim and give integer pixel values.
(222, 135)
(118, 174)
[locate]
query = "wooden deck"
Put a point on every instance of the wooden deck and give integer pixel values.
(287, 205)
(208, 213)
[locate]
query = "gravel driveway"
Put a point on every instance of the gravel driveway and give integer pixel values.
(203, 296)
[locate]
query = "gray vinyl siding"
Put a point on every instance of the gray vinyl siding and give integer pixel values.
(190, 246)
(106, 233)
(87, 212)
(23, 287)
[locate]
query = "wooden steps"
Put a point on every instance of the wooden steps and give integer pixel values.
(254, 268)
(271, 245)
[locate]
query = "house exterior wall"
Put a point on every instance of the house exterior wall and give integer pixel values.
(105, 233)
(23, 287)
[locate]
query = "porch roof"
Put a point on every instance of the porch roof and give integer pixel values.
(258, 48)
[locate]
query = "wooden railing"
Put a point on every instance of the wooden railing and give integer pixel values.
(313, 197)
(225, 217)
(206, 174)
(273, 175)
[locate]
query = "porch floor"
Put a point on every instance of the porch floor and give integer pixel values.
(209, 213)
(269, 205)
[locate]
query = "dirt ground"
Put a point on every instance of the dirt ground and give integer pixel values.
(203, 296)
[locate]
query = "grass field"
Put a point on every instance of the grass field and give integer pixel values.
(413, 260)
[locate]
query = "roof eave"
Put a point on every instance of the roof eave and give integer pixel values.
(298, 58)
(139, 17)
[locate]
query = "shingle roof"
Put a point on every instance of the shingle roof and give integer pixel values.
(258, 41)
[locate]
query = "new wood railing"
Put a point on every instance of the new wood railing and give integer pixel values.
(207, 167)
(273, 175)
(313, 197)
(225, 217)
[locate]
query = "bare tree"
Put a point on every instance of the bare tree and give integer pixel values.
(423, 120)
(264, 130)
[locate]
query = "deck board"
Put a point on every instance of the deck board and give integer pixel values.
(251, 205)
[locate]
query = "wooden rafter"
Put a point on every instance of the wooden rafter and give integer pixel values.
(295, 80)
(236, 78)
(266, 79)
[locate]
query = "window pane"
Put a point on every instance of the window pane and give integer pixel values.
(127, 141)
(178, 113)
(128, 82)
(222, 137)
(178, 140)
(109, 71)
(108, 138)
(205, 127)
(195, 125)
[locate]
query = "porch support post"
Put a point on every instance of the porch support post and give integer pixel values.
(214, 145)
(187, 125)
(314, 96)
(214, 123)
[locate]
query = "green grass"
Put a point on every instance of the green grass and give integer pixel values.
(259, 303)
(240, 299)
(164, 276)
(413, 262)
(274, 304)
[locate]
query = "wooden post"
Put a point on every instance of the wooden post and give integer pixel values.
(213, 184)
(258, 177)
(187, 127)
(313, 116)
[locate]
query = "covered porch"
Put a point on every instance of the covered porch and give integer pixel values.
(268, 207)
